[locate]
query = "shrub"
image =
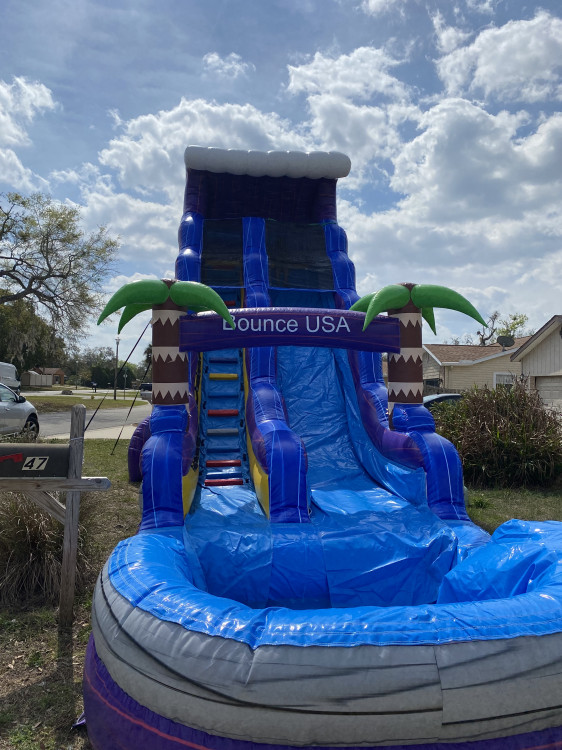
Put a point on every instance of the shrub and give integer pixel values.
(505, 437)
(31, 553)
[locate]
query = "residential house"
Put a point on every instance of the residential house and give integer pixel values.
(540, 359)
(33, 379)
(55, 372)
(458, 367)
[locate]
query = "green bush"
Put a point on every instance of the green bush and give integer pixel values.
(31, 553)
(505, 437)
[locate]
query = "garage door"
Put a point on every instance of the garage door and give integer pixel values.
(550, 390)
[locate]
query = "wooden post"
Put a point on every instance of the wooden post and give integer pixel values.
(72, 515)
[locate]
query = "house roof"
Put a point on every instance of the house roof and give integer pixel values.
(469, 354)
(549, 327)
(50, 370)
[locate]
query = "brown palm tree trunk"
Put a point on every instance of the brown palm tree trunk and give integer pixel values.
(169, 365)
(405, 370)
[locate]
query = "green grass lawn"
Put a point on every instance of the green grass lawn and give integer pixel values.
(490, 508)
(41, 668)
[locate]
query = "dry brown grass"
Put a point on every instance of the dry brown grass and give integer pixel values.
(31, 554)
(41, 667)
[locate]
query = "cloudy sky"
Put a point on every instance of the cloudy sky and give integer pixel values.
(448, 109)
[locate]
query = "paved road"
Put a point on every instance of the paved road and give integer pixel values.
(106, 424)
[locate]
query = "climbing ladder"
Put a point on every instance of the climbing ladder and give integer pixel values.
(223, 460)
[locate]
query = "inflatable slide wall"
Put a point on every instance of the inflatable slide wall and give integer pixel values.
(305, 572)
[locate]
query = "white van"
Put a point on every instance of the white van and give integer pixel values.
(9, 376)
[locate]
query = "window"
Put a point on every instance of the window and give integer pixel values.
(6, 395)
(504, 379)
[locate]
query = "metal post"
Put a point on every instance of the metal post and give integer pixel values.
(117, 340)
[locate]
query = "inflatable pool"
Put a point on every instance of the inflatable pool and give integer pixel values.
(305, 572)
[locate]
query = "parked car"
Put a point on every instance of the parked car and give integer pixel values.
(440, 398)
(17, 414)
(145, 391)
(9, 376)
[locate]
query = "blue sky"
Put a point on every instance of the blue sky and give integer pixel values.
(448, 109)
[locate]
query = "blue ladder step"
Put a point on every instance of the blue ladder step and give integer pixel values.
(224, 473)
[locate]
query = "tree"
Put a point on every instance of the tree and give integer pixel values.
(513, 325)
(146, 364)
(489, 335)
(510, 325)
(46, 258)
(126, 375)
(27, 340)
(92, 365)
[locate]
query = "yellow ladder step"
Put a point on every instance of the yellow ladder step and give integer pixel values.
(223, 376)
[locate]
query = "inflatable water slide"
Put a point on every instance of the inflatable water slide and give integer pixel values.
(305, 572)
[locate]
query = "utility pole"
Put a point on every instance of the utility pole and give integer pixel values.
(117, 340)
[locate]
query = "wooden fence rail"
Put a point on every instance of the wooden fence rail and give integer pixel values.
(38, 470)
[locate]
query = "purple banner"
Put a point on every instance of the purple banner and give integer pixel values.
(289, 326)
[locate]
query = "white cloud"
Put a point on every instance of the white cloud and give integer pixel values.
(115, 118)
(148, 155)
(470, 165)
(116, 282)
(355, 105)
(377, 7)
(482, 6)
(232, 66)
(359, 75)
(20, 101)
(448, 37)
(368, 133)
(14, 174)
(482, 213)
(520, 61)
(483, 262)
(147, 229)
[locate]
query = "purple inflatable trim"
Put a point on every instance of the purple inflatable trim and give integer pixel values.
(139, 438)
(392, 445)
(289, 326)
(117, 722)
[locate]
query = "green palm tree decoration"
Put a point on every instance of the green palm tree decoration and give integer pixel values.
(409, 303)
(169, 300)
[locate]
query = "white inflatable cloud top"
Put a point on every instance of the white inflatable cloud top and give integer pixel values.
(313, 164)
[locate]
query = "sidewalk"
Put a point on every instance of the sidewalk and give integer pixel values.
(107, 433)
(129, 395)
(107, 424)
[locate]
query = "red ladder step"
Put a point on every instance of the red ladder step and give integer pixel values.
(222, 412)
(220, 462)
(222, 482)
